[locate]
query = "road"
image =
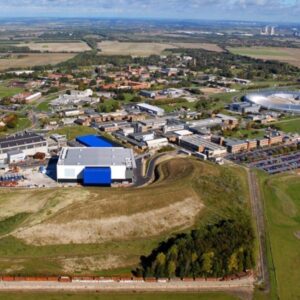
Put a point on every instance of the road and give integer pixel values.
(263, 276)
(140, 178)
(242, 285)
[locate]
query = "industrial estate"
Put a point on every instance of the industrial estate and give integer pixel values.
(172, 171)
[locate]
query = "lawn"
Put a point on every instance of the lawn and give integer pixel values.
(6, 91)
(44, 106)
(289, 126)
(246, 134)
(73, 131)
(176, 106)
(103, 231)
(282, 204)
(22, 124)
(121, 296)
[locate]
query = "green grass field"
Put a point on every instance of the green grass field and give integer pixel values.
(73, 131)
(21, 125)
(82, 245)
(289, 126)
(157, 296)
(44, 106)
(8, 91)
(282, 204)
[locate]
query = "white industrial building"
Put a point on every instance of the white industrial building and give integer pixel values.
(150, 109)
(157, 143)
(28, 143)
(95, 166)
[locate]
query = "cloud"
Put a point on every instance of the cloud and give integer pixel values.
(184, 9)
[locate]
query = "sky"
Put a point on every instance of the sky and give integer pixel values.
(250, 10)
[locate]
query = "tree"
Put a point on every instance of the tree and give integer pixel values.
(171, 269)
(207, 262)
(160, 263)
(233, 263)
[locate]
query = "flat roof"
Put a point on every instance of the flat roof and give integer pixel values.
(197, 140)
(96, 157)
(150, 107)
(20, 139)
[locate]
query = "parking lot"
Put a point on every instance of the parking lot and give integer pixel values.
(279, 164)
(258, 155)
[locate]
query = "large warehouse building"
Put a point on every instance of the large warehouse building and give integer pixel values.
(27, 143)
(96, 166)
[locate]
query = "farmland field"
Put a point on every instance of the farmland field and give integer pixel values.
(103, 231)
(33, 59)
(282, 203)
(120, 296)
(57, 47)
(146, 49)
(289, 55)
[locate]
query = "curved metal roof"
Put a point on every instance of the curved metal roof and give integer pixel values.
(288, 101)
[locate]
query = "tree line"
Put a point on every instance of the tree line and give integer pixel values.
(216, 250)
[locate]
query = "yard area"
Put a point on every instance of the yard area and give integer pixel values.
(73, 131)
(282, 208)
(289, 125)
(6, 91)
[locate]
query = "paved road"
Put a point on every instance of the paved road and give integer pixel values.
(142, 179)
(258, 213)
(245, 284)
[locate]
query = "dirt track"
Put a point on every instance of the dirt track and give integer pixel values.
(258, 215)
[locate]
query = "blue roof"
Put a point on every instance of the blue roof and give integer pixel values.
(94, 141)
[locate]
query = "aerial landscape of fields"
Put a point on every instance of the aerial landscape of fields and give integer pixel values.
(149, 150)
(56, 46)
(53, 223)
(146, 49)
(289, 55)
(28, 60)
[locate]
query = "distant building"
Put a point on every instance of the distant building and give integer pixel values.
(148, 94)
(235, 146)
(197, 143)
(150, 109)
(244, 108)
(157, 143)
(28, 143)
(241, 81)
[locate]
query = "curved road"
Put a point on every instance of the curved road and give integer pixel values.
(140, 178)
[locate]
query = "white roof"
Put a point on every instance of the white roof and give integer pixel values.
(183, 132)
(96, 157)
(151, 107)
